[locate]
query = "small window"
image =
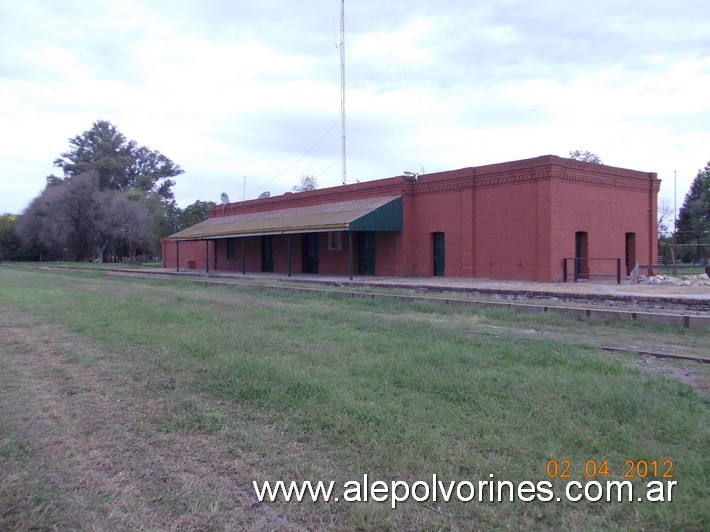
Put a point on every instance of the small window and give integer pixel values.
(335, 241)
(231, 248)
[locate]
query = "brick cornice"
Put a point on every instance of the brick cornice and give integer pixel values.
(477, 181)
(531, 170)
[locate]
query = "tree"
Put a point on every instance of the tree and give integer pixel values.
(308, 182)
(75, 220)
(169, 218)
(44, 229)
(665, 223)
(195, 213)
(121, 164)
(115, 198)
(694, 217)
(586, 156)
(10, 247)
(665, 217)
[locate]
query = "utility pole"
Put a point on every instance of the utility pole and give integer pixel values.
(675, 219)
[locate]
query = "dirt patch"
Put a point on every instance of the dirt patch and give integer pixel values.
(81, 450)
(626, 344)
(692, 374)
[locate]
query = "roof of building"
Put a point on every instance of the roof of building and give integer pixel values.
(367, 214)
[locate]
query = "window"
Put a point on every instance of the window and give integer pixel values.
(335, 241)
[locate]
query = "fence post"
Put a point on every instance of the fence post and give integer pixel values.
(577, 265)
(564, 270)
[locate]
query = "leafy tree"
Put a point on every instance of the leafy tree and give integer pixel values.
(10, 246)
(585, 156)
(115, 197)
(308, 182)
(169, 218)
(121, 164)
(694, 217)
(166, 219)
(195, 213)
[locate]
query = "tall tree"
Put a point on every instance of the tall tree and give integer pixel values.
(45, 229)
(76, 220)
(121, 164)
(694, 216)
(10, 248)
(113, 195)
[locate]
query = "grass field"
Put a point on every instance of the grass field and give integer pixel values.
(681, 270)
(133, 403)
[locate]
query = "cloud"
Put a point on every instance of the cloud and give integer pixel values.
(228, 89)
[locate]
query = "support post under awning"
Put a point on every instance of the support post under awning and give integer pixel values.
(288, 247)
(350, 254)
(177, 255)
(207, 256)
(244, 256)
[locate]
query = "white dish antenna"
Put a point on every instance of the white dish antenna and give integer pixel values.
(224, 197)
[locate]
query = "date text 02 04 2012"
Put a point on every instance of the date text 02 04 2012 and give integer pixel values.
(594, 468)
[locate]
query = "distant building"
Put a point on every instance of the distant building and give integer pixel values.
(520, 220)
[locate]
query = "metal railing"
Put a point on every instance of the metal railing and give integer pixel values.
(581, 268)
(675, 267)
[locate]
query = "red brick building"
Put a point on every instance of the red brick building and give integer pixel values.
(517, 220)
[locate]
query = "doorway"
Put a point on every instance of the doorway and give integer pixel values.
(267, 253)
(309, 252)
(630, 252)
(439, 248)
(581, 255)
(366, 253)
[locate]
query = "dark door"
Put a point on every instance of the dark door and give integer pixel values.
(439, 247)
(267, 253)
(366, 253)
(309, 252)
(581, 255)
(630, 252)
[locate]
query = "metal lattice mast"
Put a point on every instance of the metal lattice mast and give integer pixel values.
(342, 89)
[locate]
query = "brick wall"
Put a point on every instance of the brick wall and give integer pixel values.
(514, 220)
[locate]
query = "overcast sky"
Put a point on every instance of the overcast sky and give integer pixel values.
(230, 89)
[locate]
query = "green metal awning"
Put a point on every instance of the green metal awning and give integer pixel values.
(367, 214)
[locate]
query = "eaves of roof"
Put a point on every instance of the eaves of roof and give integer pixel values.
(366, 214)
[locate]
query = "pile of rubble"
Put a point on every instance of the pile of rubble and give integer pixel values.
(687, 280)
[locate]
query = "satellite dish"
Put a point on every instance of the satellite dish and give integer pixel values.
(263, 195)
(224, 197)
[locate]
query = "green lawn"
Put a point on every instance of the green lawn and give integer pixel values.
(681, 270)
(332, 388)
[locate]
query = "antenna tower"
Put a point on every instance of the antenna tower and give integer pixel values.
(342, 88)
